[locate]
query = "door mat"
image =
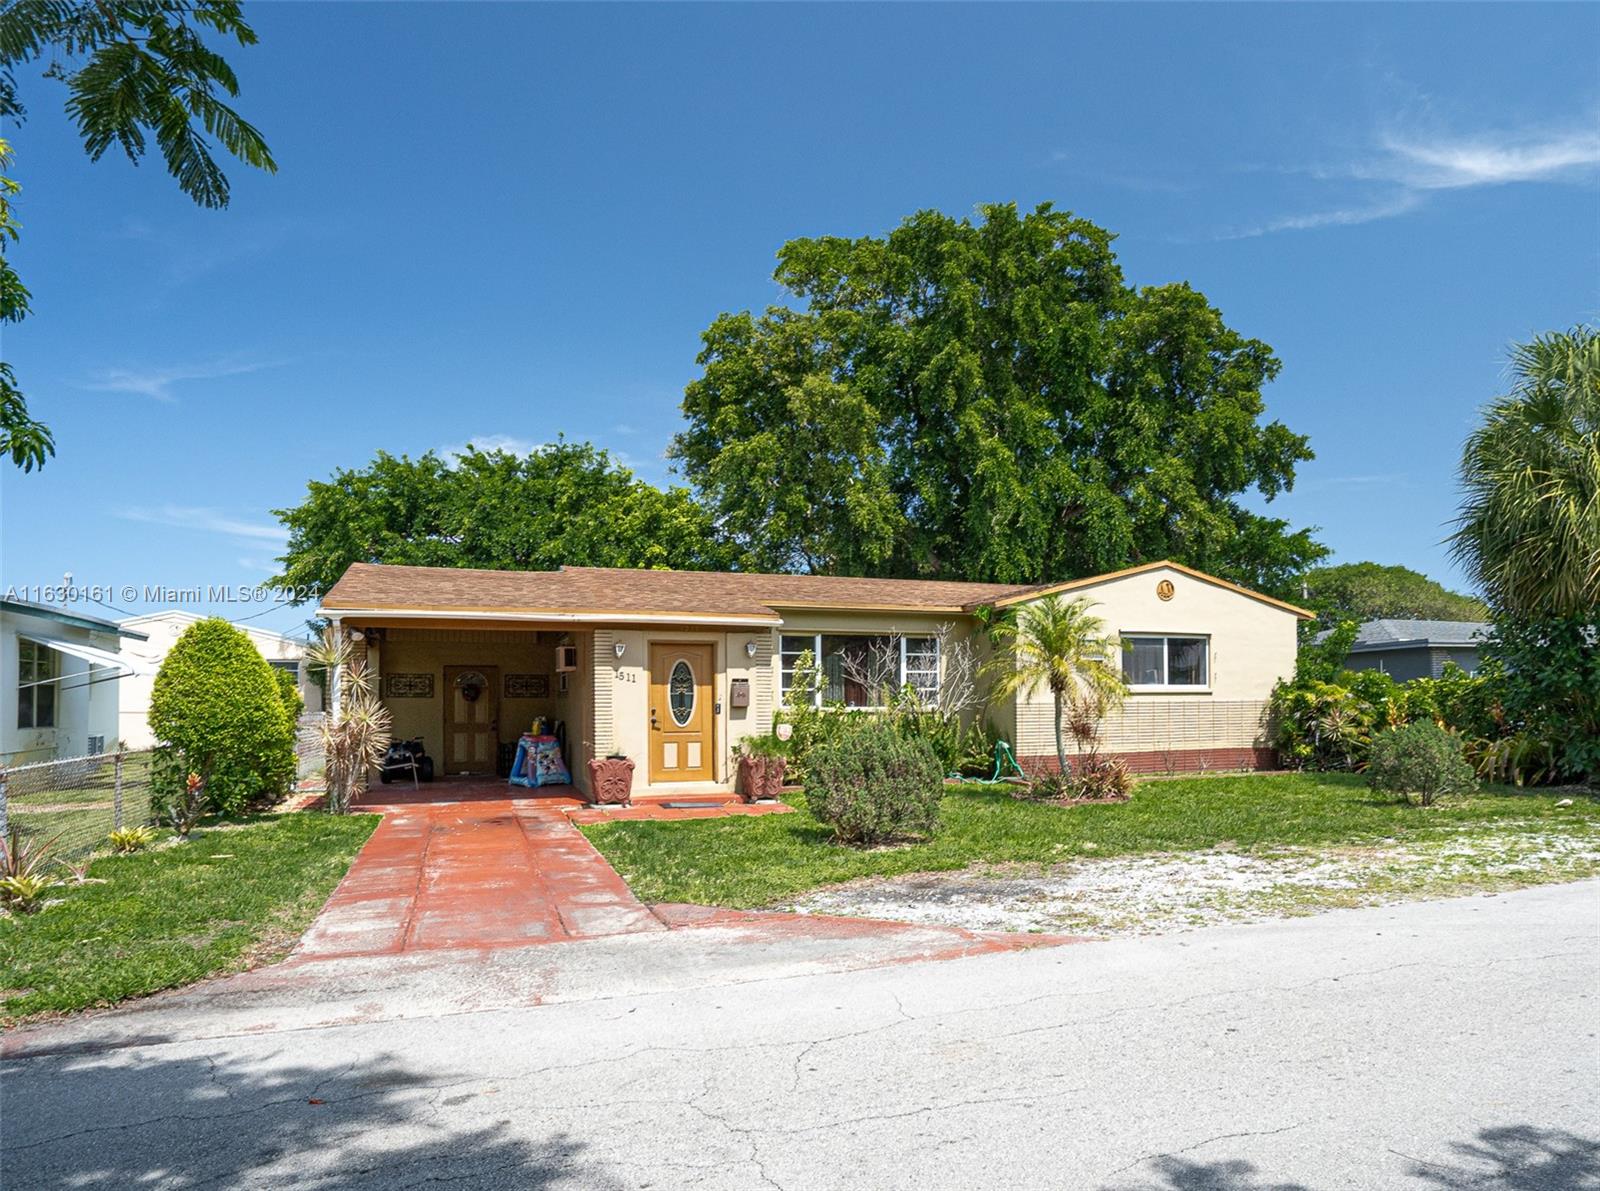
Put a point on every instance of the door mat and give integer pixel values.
(691, 806)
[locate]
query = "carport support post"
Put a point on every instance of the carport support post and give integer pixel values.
(335, 677)
(116, 791)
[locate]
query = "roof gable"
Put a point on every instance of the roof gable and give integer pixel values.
(1036, 592)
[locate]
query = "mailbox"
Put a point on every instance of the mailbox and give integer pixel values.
(739, 692)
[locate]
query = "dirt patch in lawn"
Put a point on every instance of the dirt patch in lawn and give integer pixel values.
(1170, 892)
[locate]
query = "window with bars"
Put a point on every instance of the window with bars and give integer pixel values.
(861, 670)
(38, 670)
(1170, 662)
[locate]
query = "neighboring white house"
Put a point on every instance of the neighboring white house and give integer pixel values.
(62, 675)
(157, 632)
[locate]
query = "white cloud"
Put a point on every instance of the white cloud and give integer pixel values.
(508, 443)
(1385, 208)
(156, 383)
(1411, 167)
(1451, 163)
(205, 520)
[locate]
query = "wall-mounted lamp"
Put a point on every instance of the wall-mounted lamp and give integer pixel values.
(619, 648)
(749, 649)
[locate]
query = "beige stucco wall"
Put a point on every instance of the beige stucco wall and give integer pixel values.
(622, 694)
(1252, 647)
(162, 630)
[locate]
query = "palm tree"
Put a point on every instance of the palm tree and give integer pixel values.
(1058, 644)
(1529, 530)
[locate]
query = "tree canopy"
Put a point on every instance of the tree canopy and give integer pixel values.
(989, 401)
(1529, 530)
(1371, 591)
(565, 503)
(133, 69)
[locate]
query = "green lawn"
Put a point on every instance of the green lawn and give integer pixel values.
(746, 862)
(231, 896)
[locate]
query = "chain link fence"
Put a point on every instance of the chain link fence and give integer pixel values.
(78, 801)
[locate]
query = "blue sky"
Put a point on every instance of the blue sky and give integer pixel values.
(496, 223)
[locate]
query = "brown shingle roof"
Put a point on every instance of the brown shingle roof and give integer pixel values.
(699, 594)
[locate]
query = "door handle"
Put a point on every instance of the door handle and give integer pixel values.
(655, 723)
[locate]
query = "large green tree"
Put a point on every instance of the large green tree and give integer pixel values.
(564, 503)
(133, 69)
(1371, 591)
(988, 400)
(1529, 534)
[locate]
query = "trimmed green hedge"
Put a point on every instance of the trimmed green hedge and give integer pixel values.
(218, 711)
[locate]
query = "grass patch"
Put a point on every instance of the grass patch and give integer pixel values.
(231, 896)
(747, 862)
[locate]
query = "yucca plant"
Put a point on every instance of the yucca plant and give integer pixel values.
(24, 854)
(1061, 646)
(1529, 530)
(356, 733)
(25, 861)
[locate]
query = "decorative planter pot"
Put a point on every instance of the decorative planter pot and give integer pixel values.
(772, 785)
(760, 777)
(611, 781)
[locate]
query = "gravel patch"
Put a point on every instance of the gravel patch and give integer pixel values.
(1170, 892)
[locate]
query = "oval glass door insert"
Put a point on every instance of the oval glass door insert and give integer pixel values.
(680, 693)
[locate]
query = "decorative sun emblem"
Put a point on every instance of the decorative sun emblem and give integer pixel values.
(1165, 590)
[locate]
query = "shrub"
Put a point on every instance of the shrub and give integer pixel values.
(24, 870)
(1099, 779)
(1420, 759)
(217, 710)
(130, 839)
(871, 784)
(187, 805)
(24, 894)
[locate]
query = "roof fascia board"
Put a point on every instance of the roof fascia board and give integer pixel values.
(520, 616)
(1143, 568)
(92, 623)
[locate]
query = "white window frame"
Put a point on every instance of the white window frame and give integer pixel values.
(1166, 639)
(815, 648)
(46, 661)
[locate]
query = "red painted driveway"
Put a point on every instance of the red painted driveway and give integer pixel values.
(465, 866)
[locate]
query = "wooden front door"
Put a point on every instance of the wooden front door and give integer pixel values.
(682, 719)
(471, 718)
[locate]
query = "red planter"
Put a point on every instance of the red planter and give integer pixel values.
(611, 781)
(760, 777)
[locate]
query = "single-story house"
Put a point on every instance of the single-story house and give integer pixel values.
(1406, 649)
(674, 668)
(62, 673)
(157, 632)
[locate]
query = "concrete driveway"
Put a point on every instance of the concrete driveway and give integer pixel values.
(1444, 1044)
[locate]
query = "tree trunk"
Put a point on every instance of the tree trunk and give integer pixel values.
(1061, 748)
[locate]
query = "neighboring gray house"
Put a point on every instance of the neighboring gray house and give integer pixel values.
(1406, 649)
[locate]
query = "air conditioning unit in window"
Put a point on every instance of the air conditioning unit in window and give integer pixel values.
(566, 659)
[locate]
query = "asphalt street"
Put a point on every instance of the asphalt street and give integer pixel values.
(1440, 1044)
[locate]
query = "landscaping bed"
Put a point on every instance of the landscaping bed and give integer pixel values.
(232, 896)
(773, 860)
